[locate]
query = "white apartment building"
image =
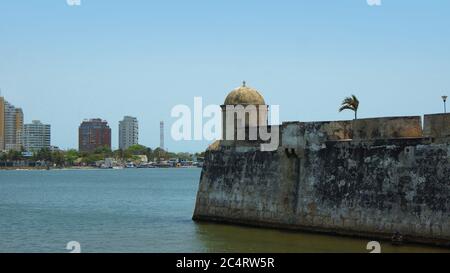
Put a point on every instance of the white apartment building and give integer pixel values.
(36, 136)
(128, 132)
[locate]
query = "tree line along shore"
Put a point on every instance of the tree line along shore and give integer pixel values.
(138, 156)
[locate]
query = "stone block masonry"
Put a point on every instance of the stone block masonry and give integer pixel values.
(322, 180)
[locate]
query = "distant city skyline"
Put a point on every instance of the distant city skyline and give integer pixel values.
(62, 64)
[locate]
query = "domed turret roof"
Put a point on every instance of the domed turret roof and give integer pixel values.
(244, 95)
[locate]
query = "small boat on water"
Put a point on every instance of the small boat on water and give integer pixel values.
(130, 165)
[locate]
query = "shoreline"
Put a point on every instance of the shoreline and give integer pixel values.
(80, 168)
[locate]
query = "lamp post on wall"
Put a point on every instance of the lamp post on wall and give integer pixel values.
(444, 98)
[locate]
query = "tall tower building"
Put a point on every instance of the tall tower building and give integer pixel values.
(19, 129)
(36, 136)
(161, 135)
(128, 132)
(93, 134)
(2, 124)
(11, 126)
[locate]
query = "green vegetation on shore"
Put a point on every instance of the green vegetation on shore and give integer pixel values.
(73, 157)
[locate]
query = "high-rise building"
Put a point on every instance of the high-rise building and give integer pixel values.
(93, 134)
(36, 136)
(2, 124)
(161, 135)
(128, 132)
(19, 129)
(11, 126)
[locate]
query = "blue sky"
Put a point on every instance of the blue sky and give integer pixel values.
(108, 59)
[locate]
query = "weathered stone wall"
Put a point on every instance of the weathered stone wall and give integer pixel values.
(363, 129)
(437, 126)
(371, 177)
(370, 188)
(244, 186)
(378, 188)
(387, 127)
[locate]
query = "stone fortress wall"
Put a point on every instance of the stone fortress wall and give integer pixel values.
(367, 177)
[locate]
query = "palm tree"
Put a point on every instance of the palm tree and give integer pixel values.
(350, 103)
